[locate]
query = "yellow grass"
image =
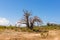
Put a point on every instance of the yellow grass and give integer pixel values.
(15, 35)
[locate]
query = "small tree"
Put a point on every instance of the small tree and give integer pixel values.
(48, 24)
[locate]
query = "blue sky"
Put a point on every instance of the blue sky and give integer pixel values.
(47, 10)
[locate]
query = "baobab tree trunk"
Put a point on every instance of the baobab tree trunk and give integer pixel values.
(27, 22)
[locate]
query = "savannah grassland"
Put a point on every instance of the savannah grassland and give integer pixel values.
(23, 33)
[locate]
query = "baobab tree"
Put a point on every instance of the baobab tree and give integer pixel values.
(29, 21)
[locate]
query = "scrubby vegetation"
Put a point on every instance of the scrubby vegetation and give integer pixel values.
(43, 30)
(36, 28)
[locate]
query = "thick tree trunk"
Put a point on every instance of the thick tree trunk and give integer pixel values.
(27, 22)
(31, 26)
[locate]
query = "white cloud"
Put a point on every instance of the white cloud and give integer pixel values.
(4, 21)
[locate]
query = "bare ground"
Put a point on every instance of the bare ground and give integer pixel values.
(13, 35)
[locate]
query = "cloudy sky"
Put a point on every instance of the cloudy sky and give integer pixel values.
(4, 21)
(12, 10)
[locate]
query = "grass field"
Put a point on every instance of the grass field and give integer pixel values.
(23, 33)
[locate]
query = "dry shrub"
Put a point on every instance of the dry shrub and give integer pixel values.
(44, 34)
(14, 39)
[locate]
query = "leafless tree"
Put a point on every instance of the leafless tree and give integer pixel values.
(35, 19)
(26, 18)
(30, 21)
